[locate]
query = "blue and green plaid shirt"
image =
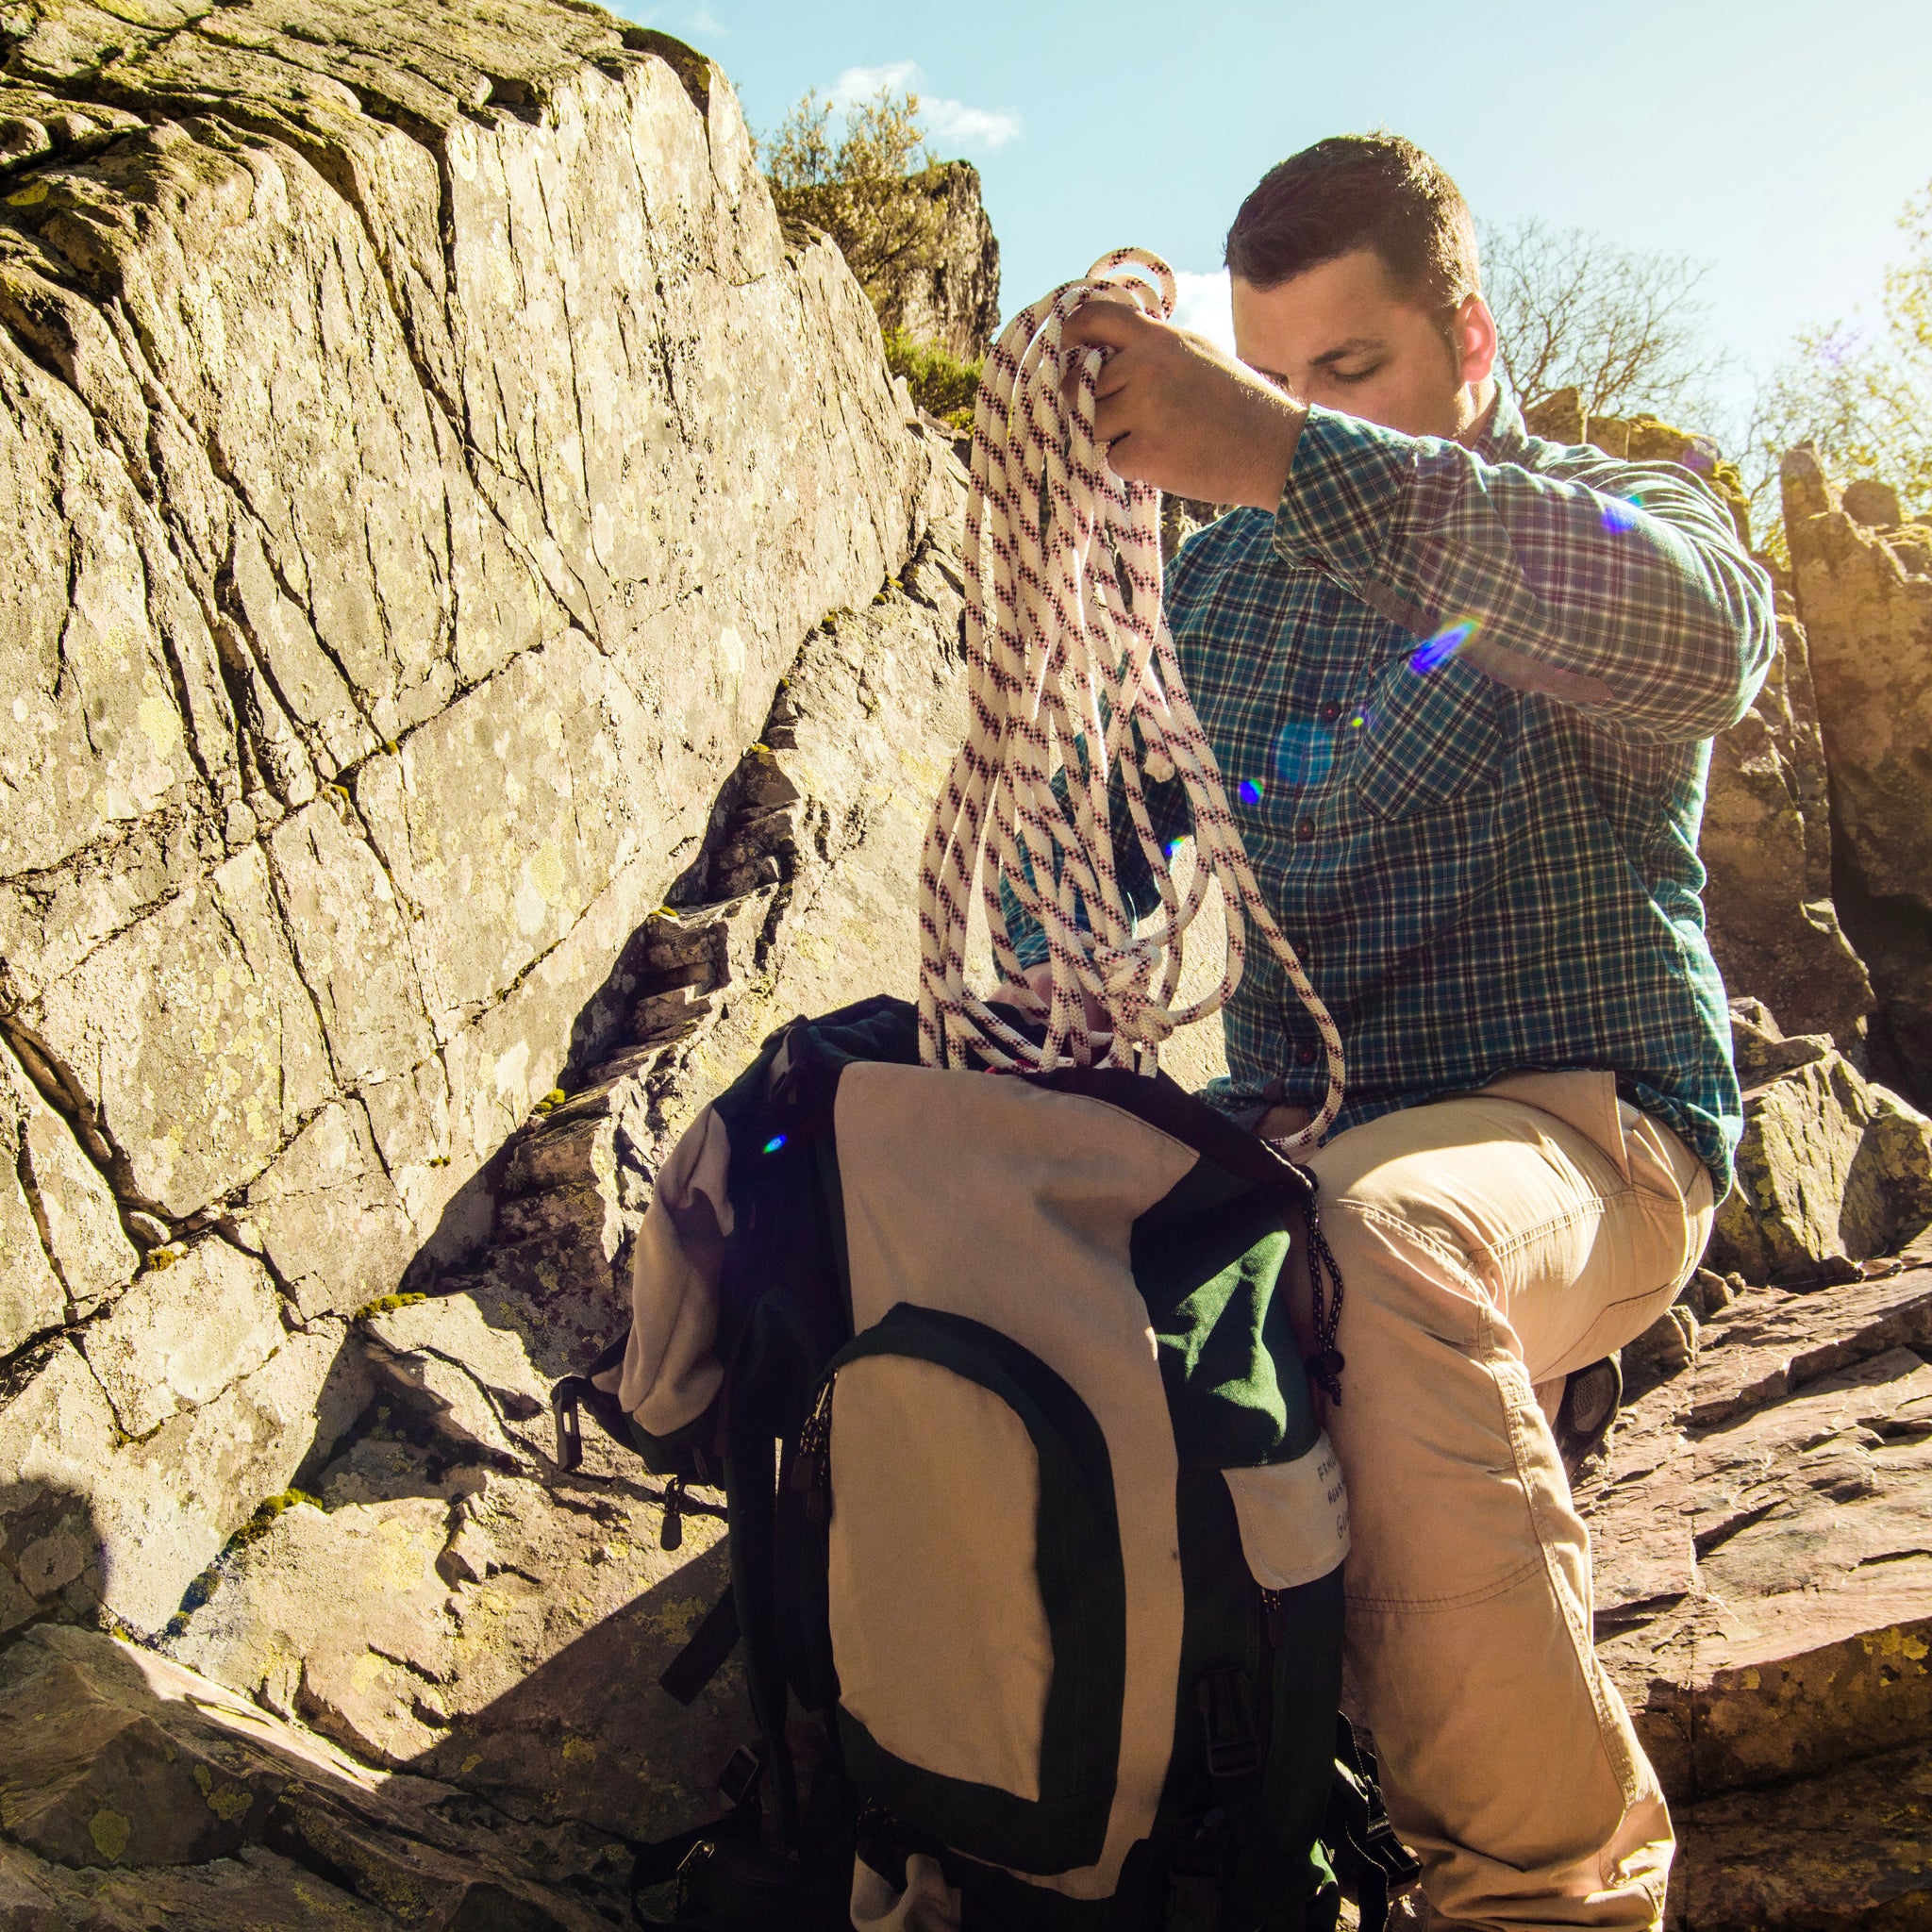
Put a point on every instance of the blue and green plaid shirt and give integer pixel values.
(1463, 700)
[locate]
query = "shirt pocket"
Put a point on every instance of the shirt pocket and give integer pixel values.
(1427, 735)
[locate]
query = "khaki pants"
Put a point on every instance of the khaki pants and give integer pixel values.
(1490, 1243)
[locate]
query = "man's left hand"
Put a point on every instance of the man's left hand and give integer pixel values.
(1173, 411)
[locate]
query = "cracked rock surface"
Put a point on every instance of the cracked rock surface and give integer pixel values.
(421, 454)
(456, 537)
(1766, 844)
(1762, 1524)
(1863, 579)
(431, 1596)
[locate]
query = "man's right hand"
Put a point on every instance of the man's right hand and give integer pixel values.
(1174, 410)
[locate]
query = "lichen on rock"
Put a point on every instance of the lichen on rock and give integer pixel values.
(423, 453)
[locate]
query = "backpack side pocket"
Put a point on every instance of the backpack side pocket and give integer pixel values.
(977, 1595)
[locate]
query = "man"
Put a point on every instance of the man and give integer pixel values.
(1462, 685)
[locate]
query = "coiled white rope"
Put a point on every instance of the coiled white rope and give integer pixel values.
(1068, 649)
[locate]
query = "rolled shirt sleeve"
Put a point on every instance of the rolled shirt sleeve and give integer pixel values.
(1619, 589)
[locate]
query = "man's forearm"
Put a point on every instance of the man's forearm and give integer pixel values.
(1621, 591)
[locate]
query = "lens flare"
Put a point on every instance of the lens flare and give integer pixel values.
(1620, 514)
(772, 1145)
(1304, 751)
(1248, 791)
(1432, 653)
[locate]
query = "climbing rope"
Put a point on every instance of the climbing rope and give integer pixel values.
(1069, 653)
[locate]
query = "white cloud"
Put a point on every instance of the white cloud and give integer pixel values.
(957, 125)
(952, 124)
(1204, 304)
(860, 83)
(697, 19)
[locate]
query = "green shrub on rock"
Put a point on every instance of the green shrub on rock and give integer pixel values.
(942, 385)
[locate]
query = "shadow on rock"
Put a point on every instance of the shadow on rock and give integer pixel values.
(133, 1789)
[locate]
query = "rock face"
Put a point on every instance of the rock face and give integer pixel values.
(1864, 590)
(440, 1595)
(1833, 1168)
(955, 303)
(1766, 845)
(426, 1597)
(451, 521)
(422, 454)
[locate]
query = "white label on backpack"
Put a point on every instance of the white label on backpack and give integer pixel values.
(1293, 1516)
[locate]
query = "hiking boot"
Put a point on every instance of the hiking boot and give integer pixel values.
(1588, 1407)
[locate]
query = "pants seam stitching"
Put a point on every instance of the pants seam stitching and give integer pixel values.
(1582, 1641)
(1467, 1598)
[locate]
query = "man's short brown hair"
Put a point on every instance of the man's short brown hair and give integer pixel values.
(1359, 190)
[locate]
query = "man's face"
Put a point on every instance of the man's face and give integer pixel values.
(1339, 335)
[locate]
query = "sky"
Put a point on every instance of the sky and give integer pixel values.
(1775, 139)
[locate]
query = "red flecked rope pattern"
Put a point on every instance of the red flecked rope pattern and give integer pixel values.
(1067, 647)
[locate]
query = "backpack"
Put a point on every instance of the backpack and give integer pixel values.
(1048, 1559)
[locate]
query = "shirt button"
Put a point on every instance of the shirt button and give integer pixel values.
(1304, 829)
(1307, 1056)
(1330, 713)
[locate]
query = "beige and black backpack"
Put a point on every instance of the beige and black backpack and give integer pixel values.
(1036, 1539)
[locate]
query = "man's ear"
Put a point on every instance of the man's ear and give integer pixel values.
(1474, 334)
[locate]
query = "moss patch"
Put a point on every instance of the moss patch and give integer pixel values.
(387, 1304)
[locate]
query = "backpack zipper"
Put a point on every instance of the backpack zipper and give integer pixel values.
(1274, 1617)
(812, 1468)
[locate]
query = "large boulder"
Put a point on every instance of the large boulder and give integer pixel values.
(424, 458)
(1833, 1168)
(393, 677)
(443, 677)
(1863, 582)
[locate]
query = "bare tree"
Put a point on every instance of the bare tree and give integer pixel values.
(1860, 391)
(1624, 327)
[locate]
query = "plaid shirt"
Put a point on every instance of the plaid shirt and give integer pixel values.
(1463, 700)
